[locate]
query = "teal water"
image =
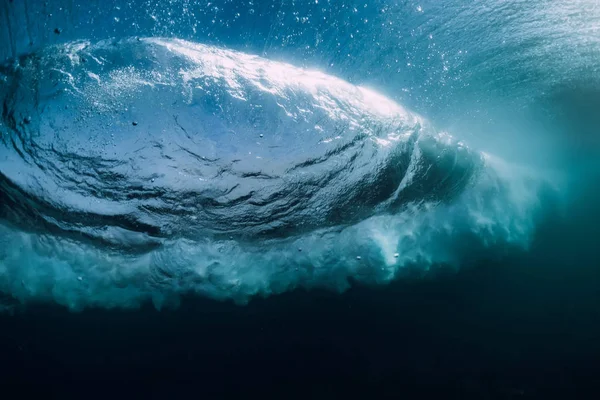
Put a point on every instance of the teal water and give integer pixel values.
(323, 199)
(234, 149)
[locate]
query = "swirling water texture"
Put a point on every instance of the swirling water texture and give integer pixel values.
(147, 168)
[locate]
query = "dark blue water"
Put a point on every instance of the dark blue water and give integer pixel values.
(300, 198)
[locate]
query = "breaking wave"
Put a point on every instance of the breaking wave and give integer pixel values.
(148, 168)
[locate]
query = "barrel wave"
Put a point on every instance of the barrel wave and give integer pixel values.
(147, 168)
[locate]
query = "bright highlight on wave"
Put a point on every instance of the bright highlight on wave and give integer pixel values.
(144, 169)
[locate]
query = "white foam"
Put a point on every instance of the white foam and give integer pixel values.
(77, 275)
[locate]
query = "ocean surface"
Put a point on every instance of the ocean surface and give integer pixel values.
(301, 199)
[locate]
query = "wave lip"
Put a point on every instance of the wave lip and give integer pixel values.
(136, 168)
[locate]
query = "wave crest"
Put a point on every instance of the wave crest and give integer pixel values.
(147, 168)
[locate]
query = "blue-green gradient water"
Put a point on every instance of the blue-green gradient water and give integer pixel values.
(230, 149)
(323, 199)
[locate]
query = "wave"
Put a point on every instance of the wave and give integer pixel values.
(148, 168)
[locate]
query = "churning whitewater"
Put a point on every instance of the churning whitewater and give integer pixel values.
(147, 168)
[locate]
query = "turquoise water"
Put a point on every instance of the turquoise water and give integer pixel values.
(322, 199)
(233, 149)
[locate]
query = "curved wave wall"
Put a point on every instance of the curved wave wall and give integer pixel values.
(152, 154)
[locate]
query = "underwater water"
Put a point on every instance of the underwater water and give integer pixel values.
(411, 180)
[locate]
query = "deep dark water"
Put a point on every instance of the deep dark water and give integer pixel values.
(526, 326)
